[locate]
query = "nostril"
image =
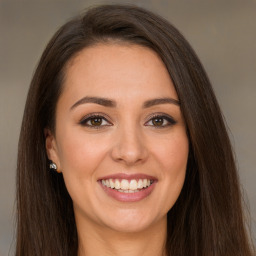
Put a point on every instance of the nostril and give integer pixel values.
(129, 150)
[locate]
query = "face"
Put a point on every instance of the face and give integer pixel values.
(120, 138)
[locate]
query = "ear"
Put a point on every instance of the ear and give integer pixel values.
(51, 147)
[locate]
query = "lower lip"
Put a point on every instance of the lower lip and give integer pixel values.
(128, 197)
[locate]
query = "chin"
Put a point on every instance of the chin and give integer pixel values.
(130, 221)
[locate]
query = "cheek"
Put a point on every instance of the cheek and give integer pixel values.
(172, 153)
(80, 158)
(79, 153)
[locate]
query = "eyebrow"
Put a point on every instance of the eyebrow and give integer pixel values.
(97, 100)
(110, 103)
(150, 103)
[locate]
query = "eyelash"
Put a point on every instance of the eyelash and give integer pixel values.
(90, 117)
(164, 117)
(84, 122)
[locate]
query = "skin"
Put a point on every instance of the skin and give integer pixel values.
(127, 141)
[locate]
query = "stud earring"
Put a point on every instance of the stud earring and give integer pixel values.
(54, 167)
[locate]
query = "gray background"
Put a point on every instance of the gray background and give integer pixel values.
(223, 33)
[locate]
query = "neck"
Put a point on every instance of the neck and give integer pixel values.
(98, 240)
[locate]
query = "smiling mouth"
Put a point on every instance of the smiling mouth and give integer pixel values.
(127, 186)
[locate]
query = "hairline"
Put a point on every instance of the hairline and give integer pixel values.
(96, 42)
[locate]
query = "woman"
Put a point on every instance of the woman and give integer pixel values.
(123, 149)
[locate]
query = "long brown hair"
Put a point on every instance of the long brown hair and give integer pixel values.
(207, 218)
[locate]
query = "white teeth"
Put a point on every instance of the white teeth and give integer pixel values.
(140, 183)
(117, 184)
(127, 186)
(133, 185)
(128, 191)
(124, 184)
(112, 184)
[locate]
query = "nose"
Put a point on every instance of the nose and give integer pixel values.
(129, 147)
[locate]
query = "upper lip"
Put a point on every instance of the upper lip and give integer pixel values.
(134, 176)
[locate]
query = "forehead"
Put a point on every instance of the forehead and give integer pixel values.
(117, 70)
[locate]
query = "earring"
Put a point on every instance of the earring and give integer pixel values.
(54, 167)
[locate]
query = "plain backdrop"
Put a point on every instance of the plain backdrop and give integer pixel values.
(222, 32)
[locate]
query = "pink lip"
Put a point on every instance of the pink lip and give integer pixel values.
(128, 197)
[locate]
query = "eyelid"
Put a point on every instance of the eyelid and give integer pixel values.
(96, 114)
(167, 117)
(171, 121)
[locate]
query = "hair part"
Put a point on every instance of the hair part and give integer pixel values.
(207, 218)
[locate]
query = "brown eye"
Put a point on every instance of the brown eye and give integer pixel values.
(161, 121)
(158, 121)
(97, 121)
